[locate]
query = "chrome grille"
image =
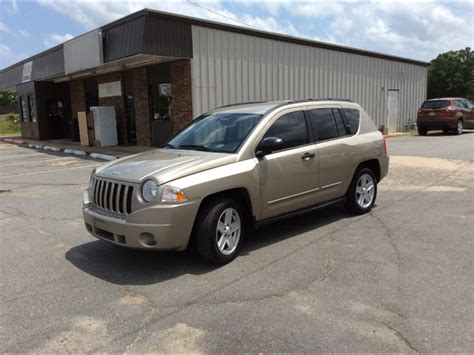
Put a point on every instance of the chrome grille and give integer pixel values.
(112, 196)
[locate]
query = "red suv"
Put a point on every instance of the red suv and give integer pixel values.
(450, 113)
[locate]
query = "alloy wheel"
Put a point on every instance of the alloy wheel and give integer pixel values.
(365, 190)
(228, 231)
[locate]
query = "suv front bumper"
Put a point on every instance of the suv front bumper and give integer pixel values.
(157, 227)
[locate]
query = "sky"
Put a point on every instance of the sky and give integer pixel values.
(418, 30)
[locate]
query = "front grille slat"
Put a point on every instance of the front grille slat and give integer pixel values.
(129, 199)
(114, 197)
(99, 194)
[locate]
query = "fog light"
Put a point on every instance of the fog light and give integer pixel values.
(147, 239)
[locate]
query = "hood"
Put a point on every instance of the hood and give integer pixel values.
(163, 164)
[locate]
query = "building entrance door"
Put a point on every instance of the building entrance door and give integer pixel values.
(56, 119)
(392, 107)
(161, 120)
(130, 116)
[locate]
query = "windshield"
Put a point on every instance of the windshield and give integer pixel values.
(216, 132)
(435, 104)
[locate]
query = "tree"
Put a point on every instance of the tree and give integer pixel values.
(7, 98)
(452, 74)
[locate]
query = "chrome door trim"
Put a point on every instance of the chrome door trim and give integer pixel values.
(292, 196)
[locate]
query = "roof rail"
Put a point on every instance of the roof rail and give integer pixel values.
(243, 103)
(320, 99)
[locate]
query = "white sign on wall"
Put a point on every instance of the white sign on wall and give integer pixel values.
(112, 88)
(26, 74)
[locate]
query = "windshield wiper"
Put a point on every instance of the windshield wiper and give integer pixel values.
(195, 147)
(167, 145)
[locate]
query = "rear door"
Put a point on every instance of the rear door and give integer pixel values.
(335, 147)
(289, 177)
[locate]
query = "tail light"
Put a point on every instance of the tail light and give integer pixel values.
(450, 110)
(385, 145)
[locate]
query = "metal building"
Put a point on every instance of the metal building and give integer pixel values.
(160, 70)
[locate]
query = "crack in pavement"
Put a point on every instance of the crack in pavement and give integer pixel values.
(394, 246)
(400, 337)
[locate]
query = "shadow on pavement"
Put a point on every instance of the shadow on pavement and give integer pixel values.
(133, 267)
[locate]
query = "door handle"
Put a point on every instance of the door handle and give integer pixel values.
(308, 156)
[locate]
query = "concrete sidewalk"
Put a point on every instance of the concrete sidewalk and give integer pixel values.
(69, 147)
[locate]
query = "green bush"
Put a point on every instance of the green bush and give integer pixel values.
(9, 127)
(13, 117)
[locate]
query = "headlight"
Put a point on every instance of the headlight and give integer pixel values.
(91, 180)
(149, 190)
(173, 194)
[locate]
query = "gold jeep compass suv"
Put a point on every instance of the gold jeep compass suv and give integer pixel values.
(236, 168)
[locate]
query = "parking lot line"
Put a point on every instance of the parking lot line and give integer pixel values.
(39, 161)
(50, 170)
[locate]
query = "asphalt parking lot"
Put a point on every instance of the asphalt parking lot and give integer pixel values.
(396, 280)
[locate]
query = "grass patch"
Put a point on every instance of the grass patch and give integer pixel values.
(9, 128)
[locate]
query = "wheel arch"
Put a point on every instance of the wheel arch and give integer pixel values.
(372, 164)
(240, 194)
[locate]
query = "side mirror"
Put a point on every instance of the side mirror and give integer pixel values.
(269, 145)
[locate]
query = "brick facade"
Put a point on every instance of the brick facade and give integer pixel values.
(182, 105)
(118, 103)
(77, 97)
(142, 106)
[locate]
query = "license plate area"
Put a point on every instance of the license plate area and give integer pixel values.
(431, 114)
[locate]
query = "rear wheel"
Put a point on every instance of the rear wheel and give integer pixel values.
(422, 131)
(362, 192)
(219, 231)
(459, 128)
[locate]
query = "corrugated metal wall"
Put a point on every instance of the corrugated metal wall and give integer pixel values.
(229, 67)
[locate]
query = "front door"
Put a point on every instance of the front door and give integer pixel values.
(161, 120)
(56, 119)
(288, 177)
(130, 116)
(392, 107)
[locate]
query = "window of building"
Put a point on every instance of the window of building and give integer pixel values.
(291, 128)
(31, 107)
(23, 109)
(324, 124)
(351, 119)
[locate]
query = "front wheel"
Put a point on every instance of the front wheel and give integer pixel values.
(362, 192)
(219, 231)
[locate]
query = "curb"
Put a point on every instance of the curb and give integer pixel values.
(102, 156)
(81, 153)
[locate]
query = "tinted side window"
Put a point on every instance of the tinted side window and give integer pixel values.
(339, 123)
(324, 124)
(351, 119)
(291, 128)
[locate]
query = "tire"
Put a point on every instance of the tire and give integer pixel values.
(215, 239)
(459, 128)
(363, 179)
(422, 131)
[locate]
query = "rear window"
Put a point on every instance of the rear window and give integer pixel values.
(435, 104)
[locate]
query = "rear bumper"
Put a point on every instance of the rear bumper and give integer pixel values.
(444, 123)
(384, 165)
(158, 227)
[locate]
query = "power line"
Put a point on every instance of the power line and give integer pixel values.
(218, 13)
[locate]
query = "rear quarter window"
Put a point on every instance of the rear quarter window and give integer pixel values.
(351, 119)
(435, 104)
